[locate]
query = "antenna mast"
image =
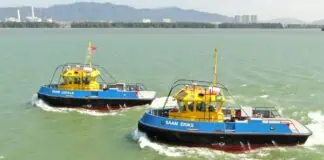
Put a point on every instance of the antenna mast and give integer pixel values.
(215, 68)
(91, 48)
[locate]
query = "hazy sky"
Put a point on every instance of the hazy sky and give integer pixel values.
(306, 10)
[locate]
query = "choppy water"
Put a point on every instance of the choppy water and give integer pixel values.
(281, 68)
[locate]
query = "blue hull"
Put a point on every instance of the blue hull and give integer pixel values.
(110, 99)
(219, 135)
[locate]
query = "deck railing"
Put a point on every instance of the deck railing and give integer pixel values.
(282, 121)
(165, 113)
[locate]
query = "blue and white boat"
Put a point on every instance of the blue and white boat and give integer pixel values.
(93, 87)
(200, 118)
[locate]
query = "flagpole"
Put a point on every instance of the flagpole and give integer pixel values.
(88, 57)
(215, 68)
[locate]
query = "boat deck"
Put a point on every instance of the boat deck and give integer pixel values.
(295, 126)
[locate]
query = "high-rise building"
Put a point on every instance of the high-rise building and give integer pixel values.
(246, 18)
(237, 19)
(254, 18)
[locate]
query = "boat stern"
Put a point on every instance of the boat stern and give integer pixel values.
(149, 95)
(298, 128)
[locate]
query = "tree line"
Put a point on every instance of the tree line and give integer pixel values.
(28, 25)
(304, 26)
(172, 25)
(250, 25)
(141, 25)
(153, 25)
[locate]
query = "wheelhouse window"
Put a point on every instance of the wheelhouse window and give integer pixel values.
(182, 94)
(62, 81)
(201, 106)
(69, 80)
(85, 80)
(77, 80)
(191, 106)
(212, 107)
(182, 106)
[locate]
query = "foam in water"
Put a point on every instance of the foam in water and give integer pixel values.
(41, 104)
(317, 127)
(196, 152)
(171, 151)
(143, 141)
(243, 85)
(264, 96)
(280, 110)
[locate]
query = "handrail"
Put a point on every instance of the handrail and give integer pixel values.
(55, 73)
(103, 76)
(105, 71)
(176, 84)
(136, 83)
(199, 81)
(211, 120)
(195, 119)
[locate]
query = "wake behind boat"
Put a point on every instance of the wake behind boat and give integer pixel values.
(200, 118)
(93, 87)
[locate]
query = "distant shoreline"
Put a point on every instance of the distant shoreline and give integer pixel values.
(198, 25)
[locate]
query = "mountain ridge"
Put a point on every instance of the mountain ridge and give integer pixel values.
(94, 11)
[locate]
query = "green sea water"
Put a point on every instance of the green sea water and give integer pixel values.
(280, 68)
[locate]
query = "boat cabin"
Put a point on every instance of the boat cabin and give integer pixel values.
(79, 78)
(199, 103)
(85, 77)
